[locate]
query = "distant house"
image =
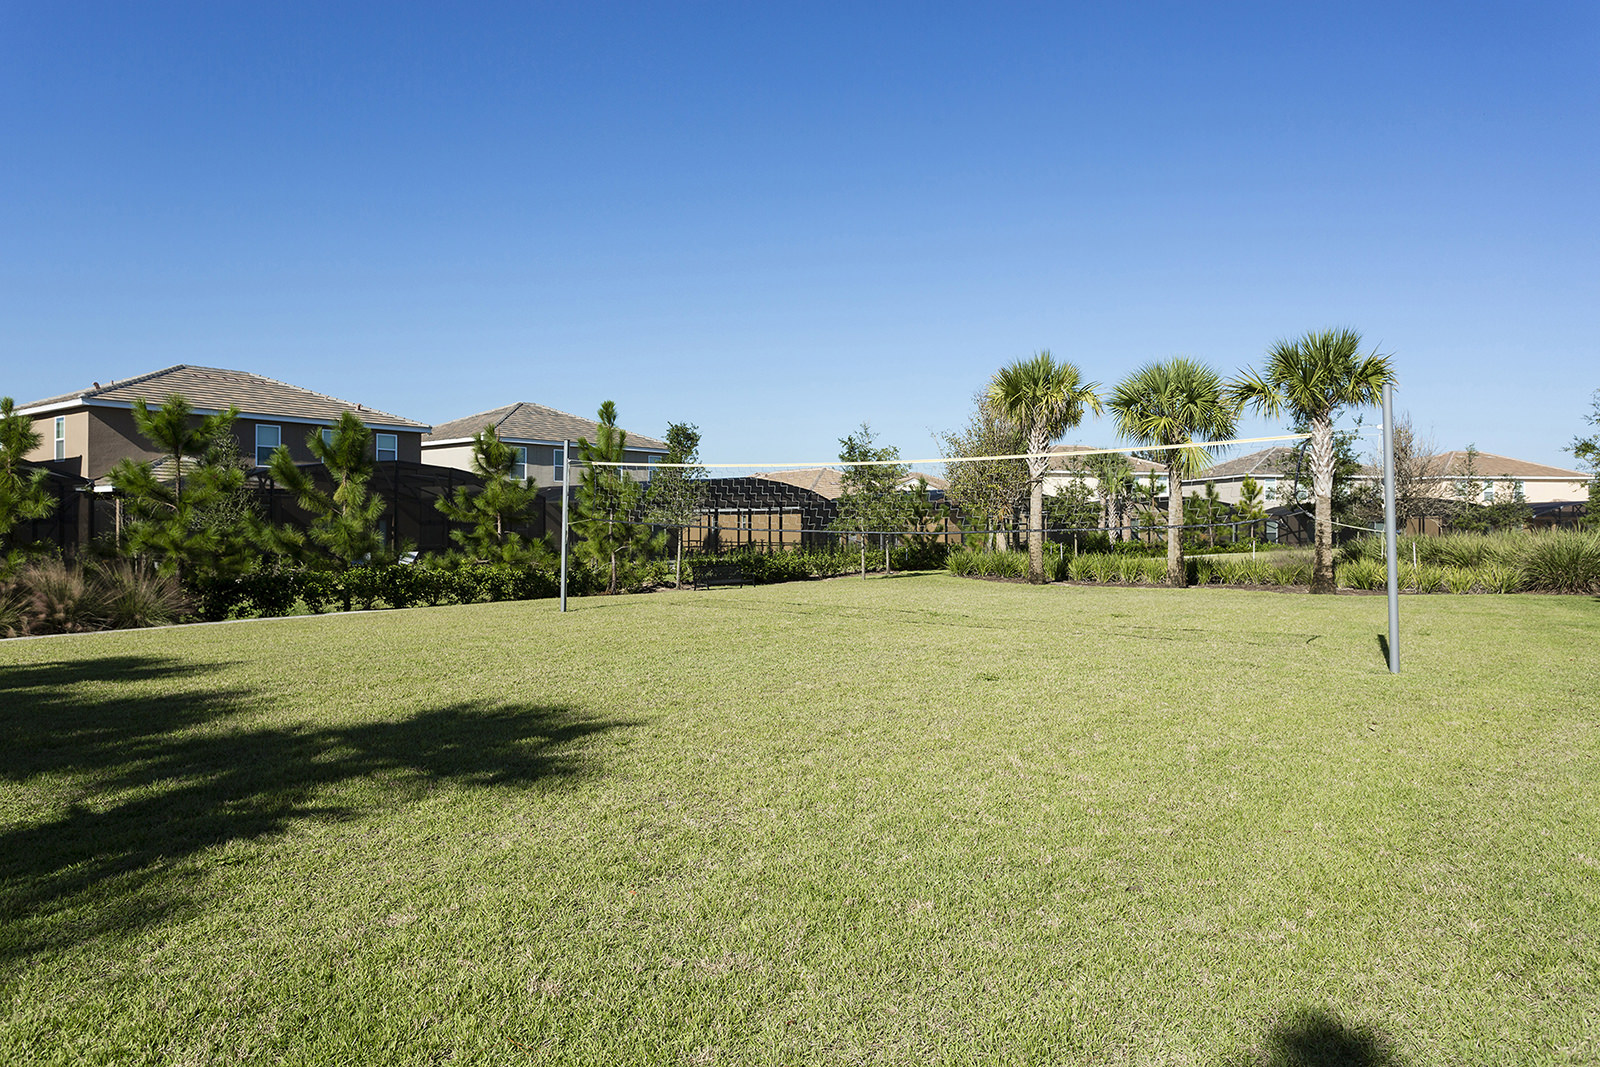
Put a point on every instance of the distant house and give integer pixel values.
(1501, 478)
(537, 432)
(1272, 468)
(88, 431)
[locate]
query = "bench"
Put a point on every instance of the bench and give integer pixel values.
(707, 575)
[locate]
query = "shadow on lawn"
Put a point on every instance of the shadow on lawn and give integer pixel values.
(168, 776)
(1320, 1039)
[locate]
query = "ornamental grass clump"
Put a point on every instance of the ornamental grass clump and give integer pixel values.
(1563, 561)
(1500, 578)
(1362, 574)
(1291, 572)
(134, 595)
(1081, 568)
(62, 600)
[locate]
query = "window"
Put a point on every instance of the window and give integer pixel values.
(650, 464)
(388, 446)
(519, 469)
(327, 435)
(61, 437)
(268, 438)
(560, 475)
(1488, 493)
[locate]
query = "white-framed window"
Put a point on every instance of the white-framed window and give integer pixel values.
(650, 466)
(1488, 493)
(388, 446)
(327, 436)
(61, 437)
(555, 462)
(268, 438)
(519, 469)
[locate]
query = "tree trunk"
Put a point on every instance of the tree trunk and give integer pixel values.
(1175, 575)
(677, 574)
(1036, 532)
(1322, 486)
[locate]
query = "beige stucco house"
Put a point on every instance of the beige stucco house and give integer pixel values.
(88, 431)
(537, 432)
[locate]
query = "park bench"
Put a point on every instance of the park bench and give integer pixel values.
(707, 575)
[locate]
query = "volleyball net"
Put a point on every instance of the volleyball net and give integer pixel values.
(1244, 489)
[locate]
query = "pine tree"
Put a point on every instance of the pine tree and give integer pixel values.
(193, 516)
(502, 503)
(344, 523)
(609, 502)
(23, 496)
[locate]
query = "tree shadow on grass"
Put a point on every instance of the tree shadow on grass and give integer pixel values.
(160, 779)
(1315, 1038)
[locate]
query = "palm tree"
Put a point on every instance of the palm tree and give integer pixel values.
(1172, 403)
(1313, 378)
(1113, 482)
(1043, 399)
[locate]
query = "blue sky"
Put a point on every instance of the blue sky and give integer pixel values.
(779, 221)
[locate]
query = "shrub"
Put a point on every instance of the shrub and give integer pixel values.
(972, 562)
(1081, 568)
(13, 606)
(134, 595)
(1460, 579)
(1290, 572)
(1106, 568)
(1563, 561)
(1426, 579)
(62, 599)
(1362, 574)
(920, 554)
(1499, 578)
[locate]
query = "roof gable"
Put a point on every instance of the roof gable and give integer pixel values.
(525, 421)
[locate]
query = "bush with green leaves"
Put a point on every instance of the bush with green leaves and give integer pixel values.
(1566, 561)
(977, 563)
(1362, 574)
(765, 568)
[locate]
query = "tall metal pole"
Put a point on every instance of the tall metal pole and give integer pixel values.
(566, 476)
(1390, 539)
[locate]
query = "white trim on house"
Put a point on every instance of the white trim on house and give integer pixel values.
(263, 416)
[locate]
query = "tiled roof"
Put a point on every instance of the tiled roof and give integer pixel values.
(1064, 457)
(1453, 464)
(824, 481)
(212, 388)
(529, 422)
(1274, 461)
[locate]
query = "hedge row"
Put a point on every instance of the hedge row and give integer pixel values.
(1561, 562)
(277, 591)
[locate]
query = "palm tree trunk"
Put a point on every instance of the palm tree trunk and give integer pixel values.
(1036, 532)
(1322, 486)
(1175, 575)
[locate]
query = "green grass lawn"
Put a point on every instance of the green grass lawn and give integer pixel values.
(909, 820)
